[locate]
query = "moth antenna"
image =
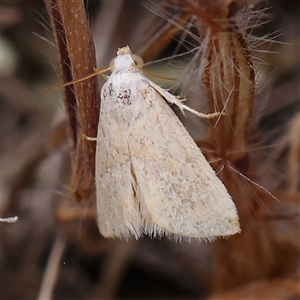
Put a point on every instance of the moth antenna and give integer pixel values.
(96, 73)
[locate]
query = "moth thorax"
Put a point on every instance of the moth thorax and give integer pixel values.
(123, 62)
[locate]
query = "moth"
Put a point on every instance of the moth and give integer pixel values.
(151, 177)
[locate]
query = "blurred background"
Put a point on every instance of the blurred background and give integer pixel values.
(59, 239)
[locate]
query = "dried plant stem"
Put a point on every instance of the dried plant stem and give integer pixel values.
(294, 155)
(229, 77)
(162, 38)
(114, 269)
(51, 271)
(82, 100)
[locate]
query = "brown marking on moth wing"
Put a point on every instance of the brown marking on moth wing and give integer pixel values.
(110, 89)
(124, 97)
(104, 94)
(145, 94)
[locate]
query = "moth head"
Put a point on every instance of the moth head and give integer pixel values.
(125, 56)
(124, 50)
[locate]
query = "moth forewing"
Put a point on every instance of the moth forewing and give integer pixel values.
(180, 193)
(118, 213)
(151, 177)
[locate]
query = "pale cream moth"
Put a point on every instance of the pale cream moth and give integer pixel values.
(151, 177)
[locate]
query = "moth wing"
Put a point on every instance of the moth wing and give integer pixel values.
(118, 214)
(179, 193)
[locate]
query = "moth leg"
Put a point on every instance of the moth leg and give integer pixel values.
(178, 102)
(89, 138)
